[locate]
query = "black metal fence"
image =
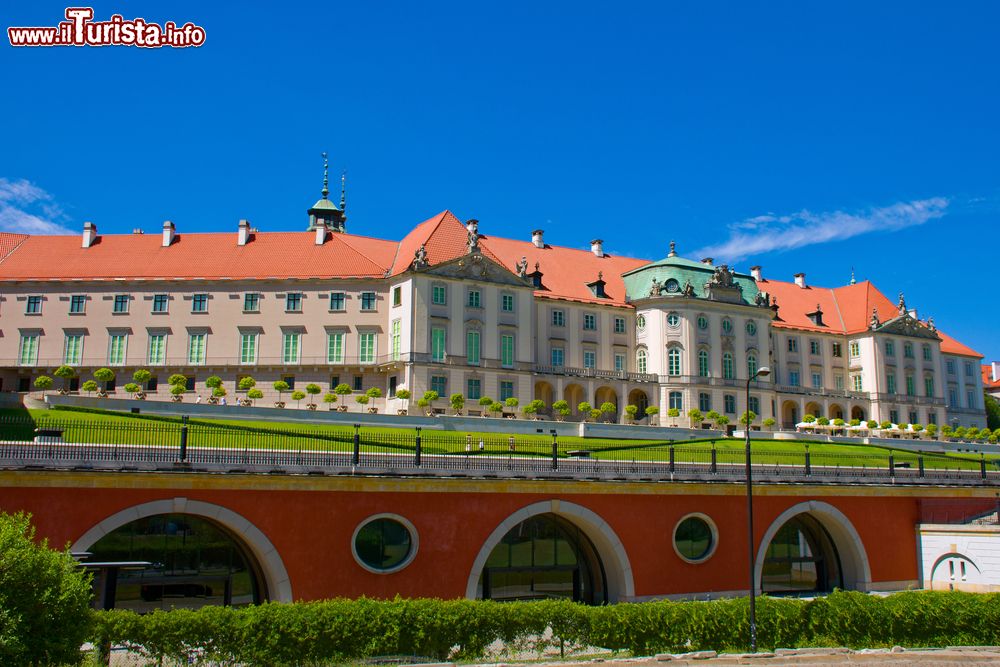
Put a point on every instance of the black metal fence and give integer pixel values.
(160, 442)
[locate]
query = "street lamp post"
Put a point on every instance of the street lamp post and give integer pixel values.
(761, 372)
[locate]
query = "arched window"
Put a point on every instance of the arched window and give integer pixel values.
(727, 365)
(640, 360)
(703, 363)
(751, 364)
(674, 361)
(676, 400)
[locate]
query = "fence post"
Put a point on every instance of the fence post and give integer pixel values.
(184, 437)
(555, 452)
(416, 455)
(920, 465)
(673, 465)
(356, 458)
(892, 465)
(714, 460)
(982, 465)
(808, 462)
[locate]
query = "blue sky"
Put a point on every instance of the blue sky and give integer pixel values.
(799, 136)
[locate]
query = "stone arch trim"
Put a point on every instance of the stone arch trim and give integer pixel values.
(279, 587)
(617, 568)
(850, 548)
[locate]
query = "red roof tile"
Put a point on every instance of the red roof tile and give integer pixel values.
(988, 381)
(951, 346)
(8, 242)
(846, 310)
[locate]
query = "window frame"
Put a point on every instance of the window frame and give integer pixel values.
(371, 299)
(120, 304)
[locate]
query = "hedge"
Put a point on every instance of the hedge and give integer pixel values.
(339, 630)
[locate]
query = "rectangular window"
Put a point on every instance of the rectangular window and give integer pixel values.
(929, 386)
(793, 378)
(472, 348)
(475, 299)
(77, 303)
(908, 350)
(438, 338)
(817, 380)
(196, 348)
(729, 404)
(619, 325)
(289, 380)
(913, 416)
(251, 302)
(507, 350)
(27, 354)
(968, 369)
(894, 416)
(396, 341)
(970, 397)
(589, 359)
(838, 382)
(368, 301)
(73, 350)
(836, 350)
(366, 347)
(703, 364)
(952, 397)
(199, 303)
(248, 348)
(589, 321)
(911, 389)
(33, 306)
(439, 295)
(890, 383)
(156, 353)
(160, 302)
(755, 405)
(813, 348)
(117, 345)
(932, 418)
(335, 348)
(338, 302)
(473, 392)
(890, 349)
(950, 365)
(293, 302)
(558, 318)
(439, 383)
(619, 362)
(290, 347)
(793, 344)
(856, 383)
(506, 390)
(705, 402)
(557, 356)
(121, 304)
(507, 303)
(397, 296)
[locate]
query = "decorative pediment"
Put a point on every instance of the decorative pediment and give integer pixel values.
(906, 325)
(722, 287)
(477, 267)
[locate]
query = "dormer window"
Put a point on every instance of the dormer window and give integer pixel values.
(597, 287)
(816, 316)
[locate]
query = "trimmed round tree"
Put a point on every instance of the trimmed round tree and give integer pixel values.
(313, 389)
(89, 386)
(65, 373)
(255, 394)
(608, 409)
(631, 411)
(132, 389)
(694, 414)
(43, 382)
(561, 409)
(281, 387)
(651, 412)
(297, 396)
(104, 375)
(584, 409)
(769, 422)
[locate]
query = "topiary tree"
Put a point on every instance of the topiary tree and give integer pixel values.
(809, 419)
(177, 391)
(959, 432)
(512, 402)
(362, 399)
(996, 432)
(631, 411)
(65, 372)
(457, 402)
(89, 386)
(132, 389)
(584, 409)
(281, 387)
(712, 416)
(44, 598)
(971, 433)
(177, 379)
(872, 424)
(822, 421)
(313, 389)
(43, 382)
(297, 396)
(855, 422)
(768, 422)
(903, 426)
(885, 424)
(330, 398)
(932, 430)
(372, 394)
(485, 402)
(404, 394)
(917, 428)
(651, 412)
(721, 421)
(427, 402)
(104, 375)
(694, 414)
(214, 382)
(608, 409)
(595, 414)
(496, 407)
(838, 422)
(673, 413)
(748, 417)
(533, 407)
(219, 392)
(255, 394)
(561, 409)
(947, 431)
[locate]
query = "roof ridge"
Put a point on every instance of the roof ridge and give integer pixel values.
(20, 241)
(352, 247)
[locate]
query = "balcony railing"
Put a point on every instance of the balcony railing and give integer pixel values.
(595, 373)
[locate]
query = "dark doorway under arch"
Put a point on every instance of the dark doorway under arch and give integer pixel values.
(193, 563)
(801, 559)
(544, 557)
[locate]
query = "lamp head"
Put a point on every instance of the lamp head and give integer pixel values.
(763, 372)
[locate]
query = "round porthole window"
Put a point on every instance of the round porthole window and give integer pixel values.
(673, 286)
(384, 543)
(640, 322)
(727, 325)
(751, 328)
(673, 320)
(702, 322)
(695, 538)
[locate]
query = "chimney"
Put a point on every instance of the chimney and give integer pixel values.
(757, 275)
(995, 367)
(707, 261)
(800, 280)
(597, 247)
(168, 233)
(537, 238)
(89, 234)
(243, 235)
(472, 226)
(320, 234)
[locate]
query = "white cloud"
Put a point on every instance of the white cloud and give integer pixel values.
(764, 233)
(25, 208)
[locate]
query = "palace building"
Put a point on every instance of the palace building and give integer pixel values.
(456, 309)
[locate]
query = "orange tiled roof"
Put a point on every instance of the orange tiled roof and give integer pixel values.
(9, 242)
(988, 382)
(566, 271)
(951, 346)
(444, 238)
(203, 255)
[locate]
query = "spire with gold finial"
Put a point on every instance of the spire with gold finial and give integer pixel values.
(673, 249)
(326, 177)
(324, 213)
(343, 190)
(853, 281)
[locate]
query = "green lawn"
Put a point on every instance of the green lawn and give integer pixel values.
(125, 429)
